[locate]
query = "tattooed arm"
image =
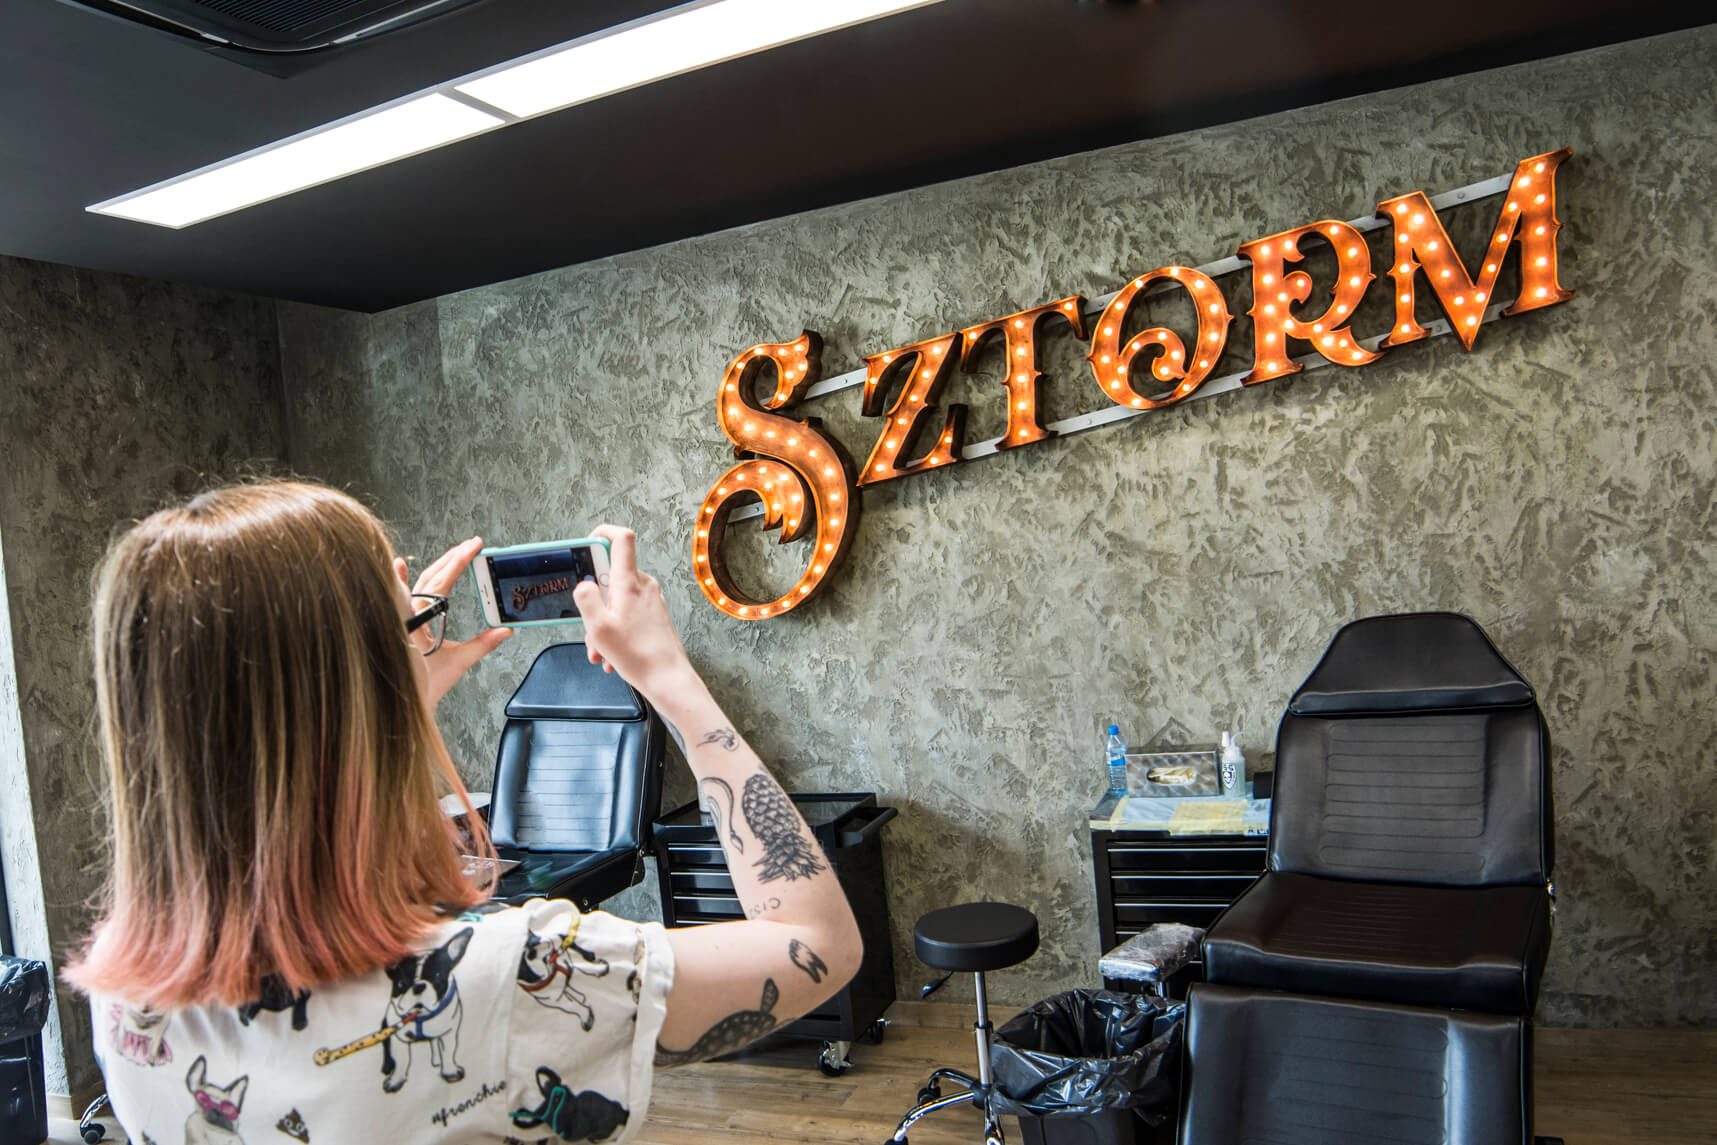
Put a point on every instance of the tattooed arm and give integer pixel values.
(733, 982)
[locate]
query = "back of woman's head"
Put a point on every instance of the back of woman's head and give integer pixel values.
(274, 766)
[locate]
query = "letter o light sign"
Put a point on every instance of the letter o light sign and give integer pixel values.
(809, 488)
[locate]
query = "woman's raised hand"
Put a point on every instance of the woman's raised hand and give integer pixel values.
(630, 632)
(455, 657)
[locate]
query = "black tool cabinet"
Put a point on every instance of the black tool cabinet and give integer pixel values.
(697, 889)
(1145, 877)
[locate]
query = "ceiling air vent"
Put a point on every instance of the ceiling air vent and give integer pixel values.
(276, 26)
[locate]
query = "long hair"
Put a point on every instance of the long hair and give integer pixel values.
(274, 769)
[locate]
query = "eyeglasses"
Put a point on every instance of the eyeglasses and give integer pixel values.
(225, 1109)
(428, 623)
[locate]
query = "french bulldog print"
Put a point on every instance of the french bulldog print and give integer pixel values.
(546, 968)
(138, 1036)
(216, 1120)
(424, 1007)
(276, 999)
(582, 1116)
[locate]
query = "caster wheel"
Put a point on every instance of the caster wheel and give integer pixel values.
(929, 1093)
(832, 1061)
(92, 1133)
(875, 1032)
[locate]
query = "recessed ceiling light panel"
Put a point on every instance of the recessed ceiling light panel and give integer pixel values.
(670, 43)
(321, 155)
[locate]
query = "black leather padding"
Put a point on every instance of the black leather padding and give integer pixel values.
(976, 936)
(1421, 661)
(572, 785)
(1459, 798)
(1478, 948)
(563, 684)
(1292, 1070)
(586, 879)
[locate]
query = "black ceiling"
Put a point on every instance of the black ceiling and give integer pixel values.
(92, 106)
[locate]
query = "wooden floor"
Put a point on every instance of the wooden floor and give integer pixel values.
(1594, 1087)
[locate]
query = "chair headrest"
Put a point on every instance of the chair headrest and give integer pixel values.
(564, 685)
(1413, 662)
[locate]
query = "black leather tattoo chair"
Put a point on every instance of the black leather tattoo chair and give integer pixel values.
(1376, 984)
(578, 781)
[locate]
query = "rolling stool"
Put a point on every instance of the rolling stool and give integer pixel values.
(974, 936)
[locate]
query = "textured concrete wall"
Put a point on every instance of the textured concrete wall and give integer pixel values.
(1556, 483)
(119, 394)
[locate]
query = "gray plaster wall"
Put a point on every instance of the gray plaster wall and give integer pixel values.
(1556, 483)
(119, 394)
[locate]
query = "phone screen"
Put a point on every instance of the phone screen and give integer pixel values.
(538, 586)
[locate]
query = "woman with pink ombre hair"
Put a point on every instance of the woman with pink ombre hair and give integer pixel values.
(287, 923)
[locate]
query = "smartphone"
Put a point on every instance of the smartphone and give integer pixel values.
(532, 584)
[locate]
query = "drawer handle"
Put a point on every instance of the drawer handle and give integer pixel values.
(865, 833)
(1162, 849)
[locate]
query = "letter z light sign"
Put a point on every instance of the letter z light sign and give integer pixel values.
(807, 485)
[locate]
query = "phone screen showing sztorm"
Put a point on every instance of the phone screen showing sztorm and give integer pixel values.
(538, 586)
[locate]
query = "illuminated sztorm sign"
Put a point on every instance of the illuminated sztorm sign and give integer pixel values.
(808, 485)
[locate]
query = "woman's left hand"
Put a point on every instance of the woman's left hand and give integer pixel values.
(455, 657)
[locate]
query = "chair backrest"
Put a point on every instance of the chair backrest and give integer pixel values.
(580, 762)
(1413, 753)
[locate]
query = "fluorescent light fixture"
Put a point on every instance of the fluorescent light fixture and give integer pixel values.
(320, 155)
(667, 44)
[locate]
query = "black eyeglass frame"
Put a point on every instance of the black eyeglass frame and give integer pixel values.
(437, 607)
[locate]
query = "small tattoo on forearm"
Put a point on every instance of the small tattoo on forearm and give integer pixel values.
(734, 1032)
(787, 854)
(716, 788)
(806, 959)
(722, 736)
(759, 909)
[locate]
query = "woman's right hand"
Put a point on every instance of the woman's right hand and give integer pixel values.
(630, 632)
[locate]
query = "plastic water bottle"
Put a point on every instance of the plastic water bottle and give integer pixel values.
(1115, 748)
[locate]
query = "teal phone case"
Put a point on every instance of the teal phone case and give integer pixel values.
(534, 547)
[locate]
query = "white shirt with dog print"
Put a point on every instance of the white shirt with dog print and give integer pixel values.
(513, 1024)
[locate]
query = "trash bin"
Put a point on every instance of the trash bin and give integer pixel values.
(25, 993)
(1090, 1067)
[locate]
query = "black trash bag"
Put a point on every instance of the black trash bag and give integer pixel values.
(25, 994)
(1086, 1051)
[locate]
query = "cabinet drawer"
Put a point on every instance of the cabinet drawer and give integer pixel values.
(695, 881)
(1180, 885)
(1132, 917)
(707, 908)
(1197, 857)
(682, 855)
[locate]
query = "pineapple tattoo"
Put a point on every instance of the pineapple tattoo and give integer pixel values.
(787, 854)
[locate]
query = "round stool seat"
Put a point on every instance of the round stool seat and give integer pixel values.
(976, 936)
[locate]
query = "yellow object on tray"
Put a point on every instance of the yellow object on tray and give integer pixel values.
(1208, 817)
